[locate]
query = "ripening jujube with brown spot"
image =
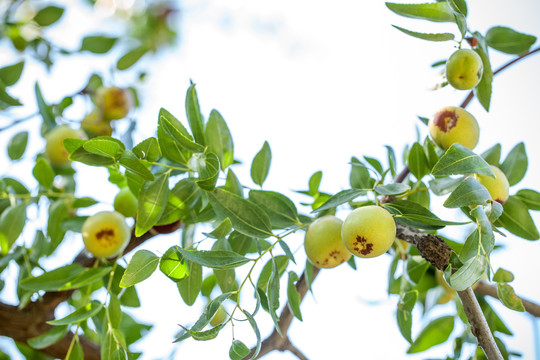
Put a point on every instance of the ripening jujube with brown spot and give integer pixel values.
(464, 69)
(498, 187)
(368, 231)
(323, 244)
(452, 125)
(106, 234)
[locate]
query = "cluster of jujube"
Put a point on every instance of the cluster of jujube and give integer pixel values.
(367, 231)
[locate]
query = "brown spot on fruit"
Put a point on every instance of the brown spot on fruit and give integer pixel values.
(445, 120)
(367, 249)
(105, 236)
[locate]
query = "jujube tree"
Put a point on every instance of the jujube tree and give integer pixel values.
(233, 237)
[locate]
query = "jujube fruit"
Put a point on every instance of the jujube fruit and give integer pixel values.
(95, 125)
(219, 317)
(115, 102)
(497, 187)
(464, 69)
(106, 234)
(453, 124)
(368, 231)
(125, 202)
(54, 147)
(323, 244)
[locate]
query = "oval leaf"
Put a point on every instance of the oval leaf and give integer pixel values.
(140, 267)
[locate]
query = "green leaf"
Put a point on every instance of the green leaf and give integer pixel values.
(208, 169)
(436, 12)
(97, 44)
(238, 350)
(182, 198)
(190, 286)
(86, 277)
(515, 165)
(52, 280)
(131, 57)
(148, 149)
(516, 219)
(178, 132)
(58, 212)
(170, 148)
(416, 268)
(17, 145)
(261, 164)
(104, 146)
(48, 15)
(253, 324)
(469, 192)
(427, 36)
(435, 333)
(503, 276)
(221, 231)
(392, 189)
(9, 75)
(508, 297)
(481, 241)
(508, 40)
(280, 209)
(194, 116)
(530, 198)
(484, 88)
(246, 217)
(140, 267)
(47, 339)
(219, 139)
(273, 293)
(359, 177)
(7, 100)
(293, 296)
(45, 110)
(152, 203)
(341, 197)
(415, 215)
(77, 152)
(469, 273)
(209, 311)
(459, 160)
(314, 183)
(82, 313)
(233, 185)
(492, 155)
(404, 313)
(12, 222)
(173, 265)
(417, 161)
(264, 276)
(459, 6)
(43, 173)
(216, 259)
(114, 311)
(130, 161)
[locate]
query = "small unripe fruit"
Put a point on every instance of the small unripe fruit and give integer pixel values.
(94, 125)
(464, 69)
(452, 125)
(219, 317)
(126, 203)
(54, 148)
(368, 231)
(115, 102)
(497, 187)
(323, 244)
(106, 234)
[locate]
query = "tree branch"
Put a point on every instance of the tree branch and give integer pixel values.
(479, 326)
(484, 288)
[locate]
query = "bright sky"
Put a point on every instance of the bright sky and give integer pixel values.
(323, 81)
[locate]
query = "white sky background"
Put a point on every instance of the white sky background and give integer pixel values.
(321, 81)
